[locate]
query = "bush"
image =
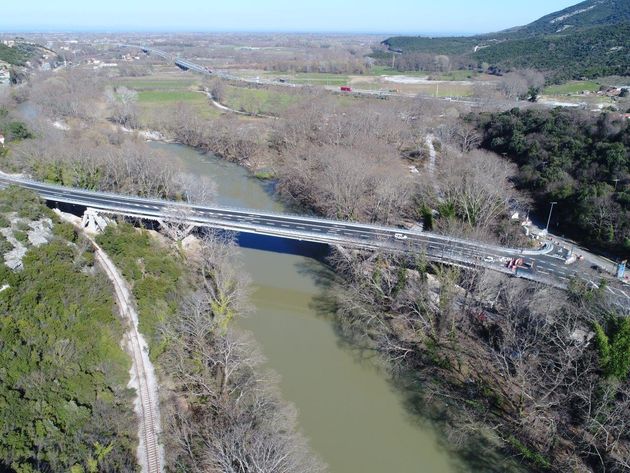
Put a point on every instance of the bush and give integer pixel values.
(22, 226)
(613, 345)
(60, 344)
(152, 270)
(26, 203)
(65, 231)
(5, 245)
(20, 236)
(18, 131)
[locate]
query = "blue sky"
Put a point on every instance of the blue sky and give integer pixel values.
(394, 16)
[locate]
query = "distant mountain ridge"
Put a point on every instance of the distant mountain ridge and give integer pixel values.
(589, 39)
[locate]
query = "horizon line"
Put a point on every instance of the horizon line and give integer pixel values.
(105, 30)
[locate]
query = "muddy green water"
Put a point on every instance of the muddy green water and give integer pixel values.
(355, 421)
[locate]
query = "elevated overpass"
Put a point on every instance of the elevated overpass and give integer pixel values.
(545, 265)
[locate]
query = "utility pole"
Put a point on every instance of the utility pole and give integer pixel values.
(616, 181)
(549, 219)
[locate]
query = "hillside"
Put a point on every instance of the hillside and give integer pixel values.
(589, 39)
(593, 52)
(13, 56)
(19, 54)
(584, 15)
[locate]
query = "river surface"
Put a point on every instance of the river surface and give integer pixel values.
(355, 421)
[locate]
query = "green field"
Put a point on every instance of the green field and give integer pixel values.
(455, 75)
(573, 87)
(162, 96)
(156, 84)
(151, 100)
(263, 101)
(162, 90)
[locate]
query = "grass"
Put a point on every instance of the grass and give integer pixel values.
(265, 175)
(152, 100)
(320, 76)
(455, 76)
(162, 96)
(573, 87)
(156, 84)
(320, 82)
(158, 91)
(258, 100)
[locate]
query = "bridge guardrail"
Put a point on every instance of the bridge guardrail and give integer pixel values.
(546, 249)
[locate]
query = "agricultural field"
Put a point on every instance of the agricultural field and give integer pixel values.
(167, 86)
(259, 100)
(572, 88)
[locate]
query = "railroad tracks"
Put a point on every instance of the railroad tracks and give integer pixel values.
(150, 453)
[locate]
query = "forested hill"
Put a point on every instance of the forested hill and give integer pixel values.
(589, 14)
(594, 52)
(590, 39)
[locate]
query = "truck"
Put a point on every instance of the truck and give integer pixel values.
(518, 263)
(345, 88)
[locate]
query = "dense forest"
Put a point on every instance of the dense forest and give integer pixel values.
(591, 53)
(580, 161)
(64, 405)
(590, 39)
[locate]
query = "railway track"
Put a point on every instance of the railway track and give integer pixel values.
(150, 453)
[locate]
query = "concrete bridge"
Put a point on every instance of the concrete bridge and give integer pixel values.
(546, 264)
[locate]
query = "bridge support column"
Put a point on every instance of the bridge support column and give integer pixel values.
(93, 222)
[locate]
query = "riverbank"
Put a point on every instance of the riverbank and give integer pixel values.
(357, 415)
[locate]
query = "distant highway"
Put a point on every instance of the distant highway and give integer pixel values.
(190, 65)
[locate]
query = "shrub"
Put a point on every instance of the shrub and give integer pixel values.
(21, 236)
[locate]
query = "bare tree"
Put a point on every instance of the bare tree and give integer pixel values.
(476, 186)
(513, 85)
(123, 104)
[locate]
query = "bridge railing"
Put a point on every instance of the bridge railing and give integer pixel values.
(546, 249)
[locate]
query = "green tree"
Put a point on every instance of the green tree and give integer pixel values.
(613, 345)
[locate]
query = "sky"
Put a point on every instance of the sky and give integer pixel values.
(352, 16)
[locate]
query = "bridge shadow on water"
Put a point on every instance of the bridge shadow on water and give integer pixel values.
(317, 251)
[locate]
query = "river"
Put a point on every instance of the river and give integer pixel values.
(354, 419)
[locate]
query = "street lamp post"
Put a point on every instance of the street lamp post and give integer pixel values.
(616, 181)
(549, 219)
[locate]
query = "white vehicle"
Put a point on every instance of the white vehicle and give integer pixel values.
(489, 259)
(400, 236)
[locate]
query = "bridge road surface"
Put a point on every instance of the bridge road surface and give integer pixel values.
(547, 264)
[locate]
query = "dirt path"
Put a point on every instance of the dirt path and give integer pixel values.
(432, 154)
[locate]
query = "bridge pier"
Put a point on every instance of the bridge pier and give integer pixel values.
(93, 222)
